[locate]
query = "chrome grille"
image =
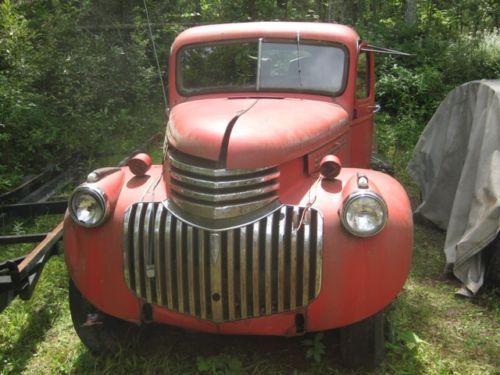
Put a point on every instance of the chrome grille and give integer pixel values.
(259, 269)
(199, 187)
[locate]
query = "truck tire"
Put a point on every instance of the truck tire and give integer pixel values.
(102, 334)
(492, 260)
(362, 344)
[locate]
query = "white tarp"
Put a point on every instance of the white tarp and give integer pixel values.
(456, 165)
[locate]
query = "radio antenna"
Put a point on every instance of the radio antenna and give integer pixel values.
(156, 55)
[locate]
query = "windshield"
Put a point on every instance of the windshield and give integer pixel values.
(261, 66)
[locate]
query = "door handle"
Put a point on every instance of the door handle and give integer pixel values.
(375, 108)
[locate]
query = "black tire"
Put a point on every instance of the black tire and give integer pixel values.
(492, 260)
(102, 334)
(362, 344)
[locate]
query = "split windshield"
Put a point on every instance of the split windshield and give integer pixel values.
(261, 66)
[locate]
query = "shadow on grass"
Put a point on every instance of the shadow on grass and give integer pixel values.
(39, 322)
(162, 349)
(168, 350)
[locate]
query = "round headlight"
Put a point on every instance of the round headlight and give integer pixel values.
(88, 206)
(364, 213)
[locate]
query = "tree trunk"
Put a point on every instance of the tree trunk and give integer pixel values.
(411, 12)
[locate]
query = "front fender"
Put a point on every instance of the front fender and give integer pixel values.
(94, 256)
(360, 275)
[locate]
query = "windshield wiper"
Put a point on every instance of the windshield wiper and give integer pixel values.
(298, 58)
(259, 62)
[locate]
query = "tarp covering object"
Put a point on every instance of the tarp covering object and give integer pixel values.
(456, 164)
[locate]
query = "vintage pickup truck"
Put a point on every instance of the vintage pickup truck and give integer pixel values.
(265, 217)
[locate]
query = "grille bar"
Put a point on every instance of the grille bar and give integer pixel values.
(201, 188)
(263, 268)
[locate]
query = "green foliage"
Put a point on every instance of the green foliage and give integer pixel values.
(315, 347)
(222, 364)
(63, 89)
(473, 56)
(75, 74)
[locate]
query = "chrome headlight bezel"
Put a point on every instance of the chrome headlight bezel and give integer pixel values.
(361, 194)
(99, 196)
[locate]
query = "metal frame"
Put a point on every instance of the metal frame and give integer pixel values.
(18, 277)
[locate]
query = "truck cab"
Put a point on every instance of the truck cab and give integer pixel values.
(264, 217)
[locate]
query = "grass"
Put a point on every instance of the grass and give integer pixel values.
(432, 332)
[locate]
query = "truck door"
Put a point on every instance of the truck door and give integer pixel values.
(364, 106)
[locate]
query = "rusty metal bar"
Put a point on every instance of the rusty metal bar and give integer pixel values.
(20, 276)
(52, 238)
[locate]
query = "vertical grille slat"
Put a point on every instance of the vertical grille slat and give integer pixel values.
(127, 262)
(243, 273)
(268, 263)
(168, 262)
(319, 255)
(216, 276)
(202, 267)
(255, 269)
(293, 259)
(159, 274)
(305, 263)
(270, 266)
(180, 269)
(281, 260)
(138, 270)
(230, 275)
(147, 244)
(190, 266)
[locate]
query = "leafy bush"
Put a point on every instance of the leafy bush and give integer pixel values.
(410, 89)
(473, 56)
(77, 75)
(66, 89)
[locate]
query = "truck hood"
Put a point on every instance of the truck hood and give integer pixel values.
(253, 132)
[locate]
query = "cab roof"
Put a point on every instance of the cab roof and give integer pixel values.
(287, 30)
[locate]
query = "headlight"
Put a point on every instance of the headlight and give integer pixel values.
(364, 213)
(88, 206)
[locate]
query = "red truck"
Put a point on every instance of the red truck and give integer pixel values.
(265, 217)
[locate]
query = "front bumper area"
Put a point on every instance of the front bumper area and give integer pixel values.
(358, 276)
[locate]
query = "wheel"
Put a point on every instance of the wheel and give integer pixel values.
(101, 333)
(362, 344)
